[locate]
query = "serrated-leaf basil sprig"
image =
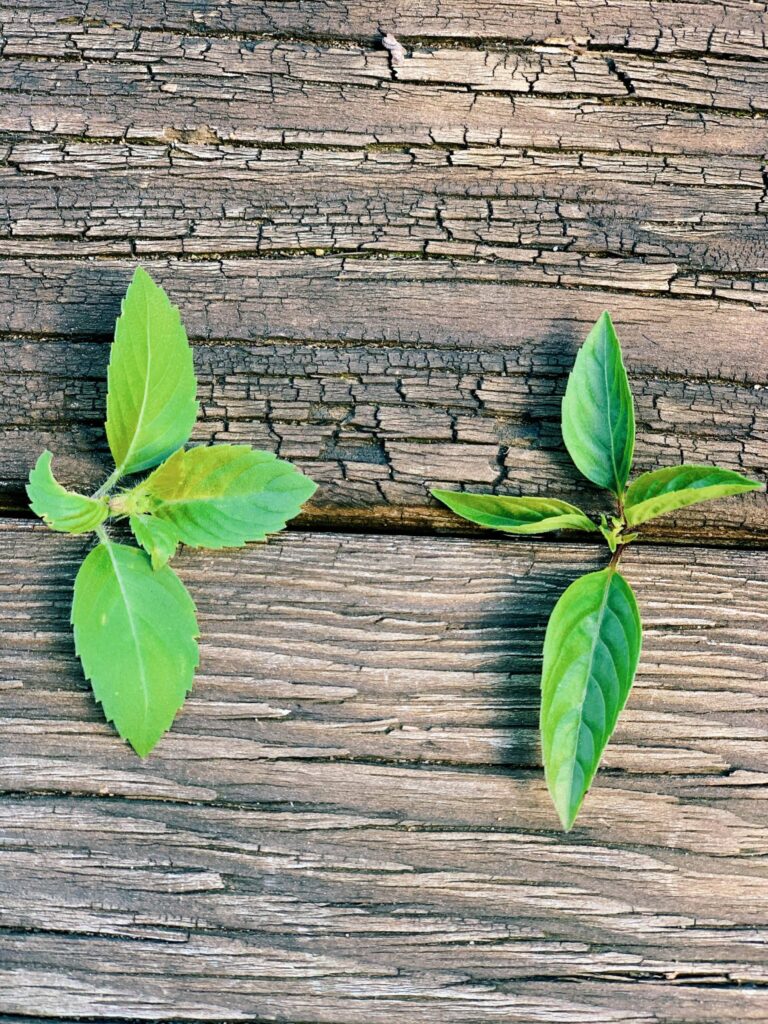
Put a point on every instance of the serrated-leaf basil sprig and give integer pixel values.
(593, 638)
(134, 622)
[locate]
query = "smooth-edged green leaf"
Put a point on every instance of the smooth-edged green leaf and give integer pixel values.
(598, 412)
(664, 490)
(591, 650)
(516, 515)
(135, 633)
(226, 495)
(158, 537)
(59, 508)
(151, 405)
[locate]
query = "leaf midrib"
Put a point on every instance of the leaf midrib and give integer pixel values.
(595, 640)
(124, 594)
(610, 416)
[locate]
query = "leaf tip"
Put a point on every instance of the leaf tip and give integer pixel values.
(143, 748)
(567, 816)
(143, 275)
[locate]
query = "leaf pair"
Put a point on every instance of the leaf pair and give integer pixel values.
(593, 638)
(134, 622)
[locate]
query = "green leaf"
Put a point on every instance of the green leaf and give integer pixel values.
(135, 633)
(226, 495)
(158, 538)
(598, 412)
(516, 515)
(664, 490)
(151, 405)
(59, 508)
(591, 650)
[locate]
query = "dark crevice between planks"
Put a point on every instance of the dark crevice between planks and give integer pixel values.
(414, 522)
(183, 137)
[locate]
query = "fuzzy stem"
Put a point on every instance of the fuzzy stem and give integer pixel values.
(108, 484)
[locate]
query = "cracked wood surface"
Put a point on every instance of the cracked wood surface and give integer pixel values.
(382, 377)
(378, 425)
(729, 29)
(348, 822)
(386, 265)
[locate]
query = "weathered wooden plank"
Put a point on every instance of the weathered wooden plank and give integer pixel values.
(728, 28)
(441, 303)
(320, 650)
(670, 220)
(705, 81)
(331, 990)
(347, 823)
(378, 425)
(155, 86)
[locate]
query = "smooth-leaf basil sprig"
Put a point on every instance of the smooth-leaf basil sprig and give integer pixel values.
(592, 643)
(134, 622)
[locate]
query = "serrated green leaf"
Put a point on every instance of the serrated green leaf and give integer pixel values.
(151, 405)
(665, 490)
(591, 650)
(598, 412)
(135, 633)
(516, 515)
(59, 508)
(226, 495)
(157, 536)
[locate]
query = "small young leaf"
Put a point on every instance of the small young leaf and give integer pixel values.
(158, 538)
(135, 633)
(226, 495)
(151, 405)
(598, 413)
(59, 508)
(591, 650)
(516, 515)
(664, 490)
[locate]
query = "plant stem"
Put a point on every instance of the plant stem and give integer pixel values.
(616, 556)
(108, 484)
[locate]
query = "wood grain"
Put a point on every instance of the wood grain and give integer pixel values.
(675, 223)
(377, 425)
(152, 86)
(386, 266)
(351, 800)
(730, 28)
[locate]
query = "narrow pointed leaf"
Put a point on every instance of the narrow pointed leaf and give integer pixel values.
(591, 650)
(59, 508)
(135, 633)
(516, 515)
(665, 490)
(226, 495)
(151, 405)
(157, 536)
(598, 413)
